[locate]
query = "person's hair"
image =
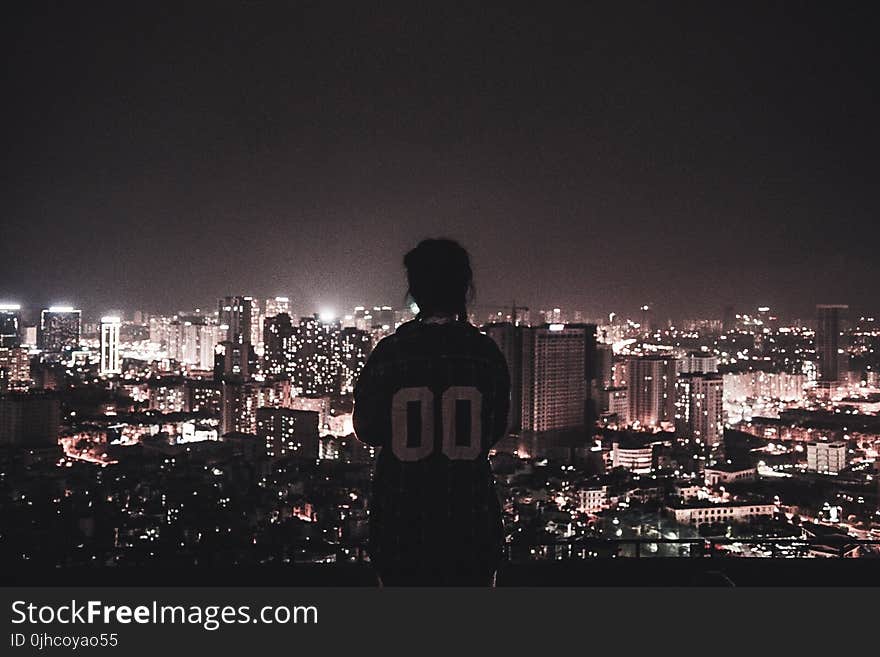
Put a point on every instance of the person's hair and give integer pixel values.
(440, 278)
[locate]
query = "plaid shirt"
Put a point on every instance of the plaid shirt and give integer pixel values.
(435, 397)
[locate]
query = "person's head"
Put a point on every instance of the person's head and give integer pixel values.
(440, 278)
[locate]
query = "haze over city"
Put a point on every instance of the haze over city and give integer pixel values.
(697, 157)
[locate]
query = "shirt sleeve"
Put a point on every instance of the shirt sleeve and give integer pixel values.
(372, 401)
(501, 384)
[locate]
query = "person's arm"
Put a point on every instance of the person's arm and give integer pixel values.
(372, 404)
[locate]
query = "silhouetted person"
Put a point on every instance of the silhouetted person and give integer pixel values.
(435, 396)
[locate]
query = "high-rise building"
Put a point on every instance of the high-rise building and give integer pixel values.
(557, 369)
(277, 341)
(699, 407)
(15, 369)
(831, 358)
(276, 306)
(614, 402)
(604, 364)
(167, 394)
(647, 319)
(240, 401)
(315, 357)
(319, 357)
(238, 412)
(191, 340)
(10, 325)
(29, 419)
(383, 317)
(698, 362)
(509, 340)
(257, 317)
(110, 361)
(651, 389)
(272, 308)
(159, 330)
(60, 329)
(287, 432)
(728, 322)
(354, 348)
(360, 318)
(233, 360)
(203, 395)
(235, 316)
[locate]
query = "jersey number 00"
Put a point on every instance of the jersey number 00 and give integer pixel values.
(412, 423)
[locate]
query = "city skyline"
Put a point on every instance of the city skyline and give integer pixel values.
(231, 441)
(481, 313)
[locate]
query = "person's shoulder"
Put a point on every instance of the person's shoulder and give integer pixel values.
(480, 337)
(405, 330)
(384, 346)
(484, 343)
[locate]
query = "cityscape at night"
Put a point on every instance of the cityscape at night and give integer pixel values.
(224, 436)
(504, 295)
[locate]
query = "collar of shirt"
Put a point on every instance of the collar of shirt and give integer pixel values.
(438, 319)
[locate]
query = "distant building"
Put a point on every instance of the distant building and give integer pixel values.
(362, 318)
(614, 401)
(719, 475)
(826, 458)
(651, 389)
(288, 432)
(383, 317)
(636, 456)
(234, 360)
(557, 364)
(315, 357)
(257, 317)
(235, 316)
(831, 358)
(647, 319)
(699, 402)
(10, 325)
(241, 399)
(191, 340)
(29, 419)
(728, 323)
(167, 394)
(322, 405)
(355, 346)
(704, 512)
(276, 306)
(604, 365)
(204, 395)
(509, 340)
(60, 330)
(110, 360)
(277, 345)
(698, 363)
(15, 368)
(742, 386)
(592, 499)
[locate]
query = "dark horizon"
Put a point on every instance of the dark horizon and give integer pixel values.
(689, 156)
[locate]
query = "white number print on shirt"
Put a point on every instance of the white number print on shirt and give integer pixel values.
(412, 423)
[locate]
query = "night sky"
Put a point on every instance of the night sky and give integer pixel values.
(690, 156)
